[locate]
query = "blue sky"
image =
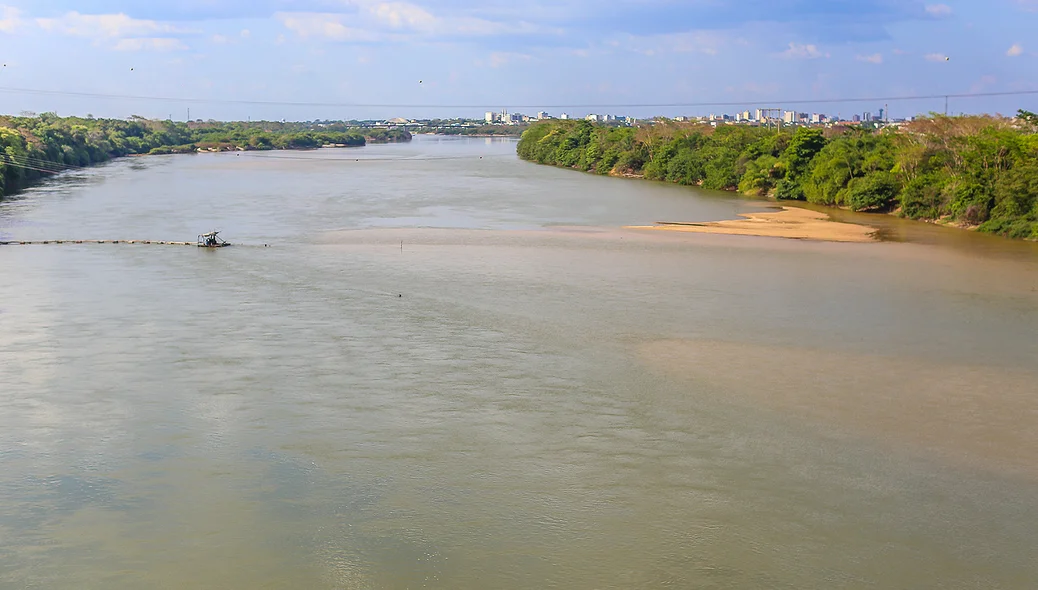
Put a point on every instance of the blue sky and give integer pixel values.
(493, 54)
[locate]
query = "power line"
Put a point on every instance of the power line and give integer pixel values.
(268, 156)
(45, 165)
(27, 166)
(944, 96)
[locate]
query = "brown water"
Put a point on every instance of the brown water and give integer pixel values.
(552, 403)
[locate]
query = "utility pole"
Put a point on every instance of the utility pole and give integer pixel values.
(188, 114)
(946, 105)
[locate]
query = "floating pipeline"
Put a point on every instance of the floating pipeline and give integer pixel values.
(154, 242)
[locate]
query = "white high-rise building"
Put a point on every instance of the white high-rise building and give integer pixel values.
(789, 117)
(489, 117)
(564, 116)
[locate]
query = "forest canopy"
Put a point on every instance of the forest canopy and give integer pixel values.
(974, 171)
(37, 146)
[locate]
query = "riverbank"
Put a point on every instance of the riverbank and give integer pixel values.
(35, 147)
(790, 222)
(968, 172)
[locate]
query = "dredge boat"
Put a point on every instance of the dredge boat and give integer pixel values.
(212, 240)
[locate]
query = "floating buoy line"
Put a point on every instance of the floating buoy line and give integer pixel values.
(40, 242)
(151, 242)
(210, 241)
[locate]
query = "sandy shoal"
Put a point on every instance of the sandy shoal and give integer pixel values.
(790, 222)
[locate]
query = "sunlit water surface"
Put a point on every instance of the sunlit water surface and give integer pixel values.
(432, 365)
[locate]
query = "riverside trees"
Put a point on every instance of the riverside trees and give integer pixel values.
(32, 147)
(974, 171)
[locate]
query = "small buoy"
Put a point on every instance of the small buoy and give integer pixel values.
(400, 295)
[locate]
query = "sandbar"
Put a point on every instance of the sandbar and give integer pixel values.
(790, 222)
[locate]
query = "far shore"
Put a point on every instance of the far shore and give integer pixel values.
(790, 222)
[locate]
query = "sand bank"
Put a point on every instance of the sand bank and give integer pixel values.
(790, 222)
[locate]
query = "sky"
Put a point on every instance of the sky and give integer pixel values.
(359, 59)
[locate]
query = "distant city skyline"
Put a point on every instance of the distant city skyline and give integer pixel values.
(228, 57)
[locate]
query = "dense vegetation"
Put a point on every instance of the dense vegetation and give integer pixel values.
(972, 171)
(478, 131)
(36, 146)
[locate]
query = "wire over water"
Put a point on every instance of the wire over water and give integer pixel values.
(792, 101)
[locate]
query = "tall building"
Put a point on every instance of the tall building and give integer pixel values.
(564, 116)
(789, 117)
(856, 118)
(866, 116)
(490, 116)
(542, 115)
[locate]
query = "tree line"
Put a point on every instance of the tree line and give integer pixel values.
(32, 147)
(973, 171)
(477, 131)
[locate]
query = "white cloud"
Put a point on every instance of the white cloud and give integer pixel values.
(150, 44)
(219, 39)
(375, 20)
(935, 57)
(1015, 50)
(407, 17)
(245, 33)
(10, 19)
(797, 51)
(402, 15)
(938, 10)
(104, 25)
(323, 25)
(705, 42)
(502, 58)
(875, 58)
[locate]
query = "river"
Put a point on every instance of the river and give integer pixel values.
(432, 365)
